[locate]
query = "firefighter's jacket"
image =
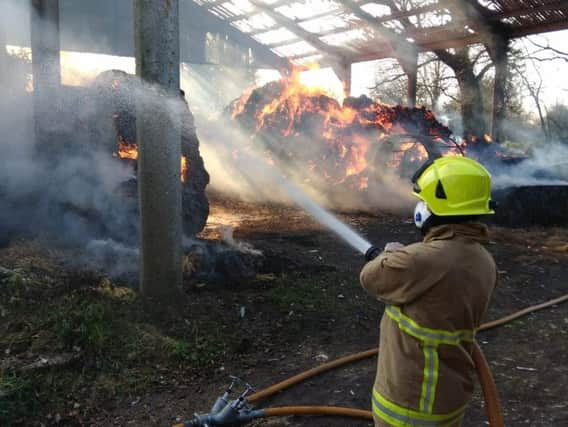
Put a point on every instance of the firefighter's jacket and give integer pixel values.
(436, 294)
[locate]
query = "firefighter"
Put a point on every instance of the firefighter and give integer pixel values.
(436, 293)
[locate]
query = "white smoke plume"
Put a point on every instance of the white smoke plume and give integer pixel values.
(241, 170)
(547, 165)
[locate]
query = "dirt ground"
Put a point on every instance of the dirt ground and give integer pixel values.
(123, 361)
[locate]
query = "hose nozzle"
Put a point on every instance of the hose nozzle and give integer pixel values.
(372, 253)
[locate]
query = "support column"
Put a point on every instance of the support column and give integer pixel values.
(343, 72)
(409, 64)
(3, 52)
(159, 147)
(46, 69)
(499, 57)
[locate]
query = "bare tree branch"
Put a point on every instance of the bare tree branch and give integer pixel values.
(483, 71)
(554, 58)
(449, 95)
(547, 47)
(391, 80)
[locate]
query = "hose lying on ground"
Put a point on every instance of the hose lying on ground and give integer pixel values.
(318, 410)
(269, 391)
(492, 403)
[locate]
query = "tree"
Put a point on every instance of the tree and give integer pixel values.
(463, 64)
(435, 81)
(469, 67)
(557, 122)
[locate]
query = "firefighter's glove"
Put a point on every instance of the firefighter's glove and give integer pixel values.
(393, 246)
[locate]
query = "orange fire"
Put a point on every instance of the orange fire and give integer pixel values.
(130, 151)
(340, 139)
(127, 151)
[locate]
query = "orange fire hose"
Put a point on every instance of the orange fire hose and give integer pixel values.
(492, 403)
(269, 391)
(318, 410)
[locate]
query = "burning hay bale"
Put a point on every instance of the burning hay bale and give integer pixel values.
(79, 188)
(345, 144)
(354, 147)
(116, 92)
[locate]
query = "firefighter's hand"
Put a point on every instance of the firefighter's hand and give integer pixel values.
(393, 246)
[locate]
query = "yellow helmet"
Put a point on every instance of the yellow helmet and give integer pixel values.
(454, 186)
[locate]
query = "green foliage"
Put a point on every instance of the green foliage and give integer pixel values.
(200, 350)
(289, 294)
(16, 398)
(83, 324)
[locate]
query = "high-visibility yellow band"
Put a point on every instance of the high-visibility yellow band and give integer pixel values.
(398, 416)
(432, 336)
(430, 378)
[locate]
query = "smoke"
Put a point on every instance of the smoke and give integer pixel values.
(228, 238)
(547, 165)
(69, 187)
(242, 170)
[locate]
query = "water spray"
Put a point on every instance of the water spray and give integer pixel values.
(254, 166)
(346, 233)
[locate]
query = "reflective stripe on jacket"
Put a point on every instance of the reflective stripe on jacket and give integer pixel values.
(437, 292)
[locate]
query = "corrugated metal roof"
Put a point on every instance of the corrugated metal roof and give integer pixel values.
(356, 30)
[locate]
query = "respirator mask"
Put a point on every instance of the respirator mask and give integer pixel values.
(421, 214)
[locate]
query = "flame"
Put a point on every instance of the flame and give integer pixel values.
(239, 106)
(127, 151)
(487, 138)
(184, 168)
(344, 137)
(130, 151)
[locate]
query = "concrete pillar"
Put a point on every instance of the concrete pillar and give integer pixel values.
(3, 42)
(499, 58)
(46, 69)
(158, 134)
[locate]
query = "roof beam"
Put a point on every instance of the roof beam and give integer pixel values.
(291, 25)
(284, 43)
(544, 27)
(558, 5)
(408, 13)
(405, 14)
(403, 50)
(232, 18)
(478, 18)
(323, 14)
(453, 41)
(356, 10)
(262, 52)
(311, 18)
(335, 31)
(212, 4)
